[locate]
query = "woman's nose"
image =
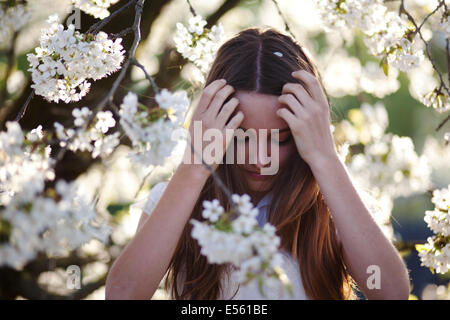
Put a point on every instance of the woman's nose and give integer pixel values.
(261, 158)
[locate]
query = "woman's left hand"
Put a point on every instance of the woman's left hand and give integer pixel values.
(308, 117)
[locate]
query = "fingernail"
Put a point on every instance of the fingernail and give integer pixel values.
(224, 81)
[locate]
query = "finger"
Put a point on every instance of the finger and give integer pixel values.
(209, 92)
(287, 116)
(219, 99)
(226, 111)
(235, 122)
(312, 83)
(292, 103)
(299, 92)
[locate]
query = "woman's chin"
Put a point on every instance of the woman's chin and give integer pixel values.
(258, 186)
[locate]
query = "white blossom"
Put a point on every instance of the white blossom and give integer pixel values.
(91, 139)
(32, 220)
(244, 224)
(12, 19)
(96, 8)
(66, 60)
(386, 32)
(252, 250)
(437, 99)
(388, 164)
(438, 219)
(152, 139)
(175, 104)
(436, 259)
(375, 82)
(212, 210)
(196, 25)
(197, 43)
(355, 78)
(392, 165)
(105, 121)
(384, 166)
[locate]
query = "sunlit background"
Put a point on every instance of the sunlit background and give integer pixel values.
(365, 104)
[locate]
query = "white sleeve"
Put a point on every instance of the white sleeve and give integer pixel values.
(149, 203)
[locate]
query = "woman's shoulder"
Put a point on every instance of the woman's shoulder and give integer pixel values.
(148, 203)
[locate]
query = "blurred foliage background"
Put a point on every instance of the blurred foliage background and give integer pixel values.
(44, 278)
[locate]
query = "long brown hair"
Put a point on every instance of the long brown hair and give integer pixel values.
(298, 210)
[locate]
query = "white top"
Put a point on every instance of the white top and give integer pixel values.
(229, 285)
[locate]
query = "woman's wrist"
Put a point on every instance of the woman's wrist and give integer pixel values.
(197, 172)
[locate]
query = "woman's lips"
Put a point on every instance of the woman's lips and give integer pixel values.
(256, 175)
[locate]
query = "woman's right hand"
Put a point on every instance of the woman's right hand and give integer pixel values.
(212, 115)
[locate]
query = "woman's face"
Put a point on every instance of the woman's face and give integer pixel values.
(259, 113)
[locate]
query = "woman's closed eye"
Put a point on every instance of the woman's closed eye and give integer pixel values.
(286, 141)
(274, 140)
(283, 142)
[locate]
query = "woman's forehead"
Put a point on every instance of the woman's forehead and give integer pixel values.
(259, 110)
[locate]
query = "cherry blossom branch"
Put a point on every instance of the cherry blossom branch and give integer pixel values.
(122, 33)
(447, 50)
(147, 76)
(143, 182)
(191, 8)
(24, 107)
(286, 26)
(442, 123)
(96, 27)
(109, 96)
(427, 47)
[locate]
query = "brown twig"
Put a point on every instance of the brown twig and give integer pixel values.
(96, 27)
(286, 26)
(147, 76)
(191, 8)
(24, 107)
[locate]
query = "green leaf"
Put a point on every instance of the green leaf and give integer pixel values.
(420, 247)
(386, 69)
(384, 65)
(114, 209)
(260, 285)
(5, 230)
(289, 288)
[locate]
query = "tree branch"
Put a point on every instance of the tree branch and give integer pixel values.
(427, 47)
(109, 96)
(95, 28)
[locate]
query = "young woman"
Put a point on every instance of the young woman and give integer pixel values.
(262, 79)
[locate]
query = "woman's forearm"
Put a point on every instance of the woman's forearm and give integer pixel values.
(138, 271)
(363, 240)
